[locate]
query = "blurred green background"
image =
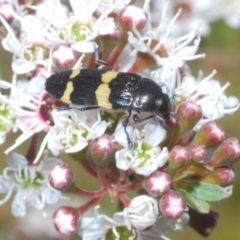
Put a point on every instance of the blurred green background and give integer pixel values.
(222, 48)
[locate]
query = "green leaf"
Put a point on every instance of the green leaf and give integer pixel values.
(195, 203)
(207, 191)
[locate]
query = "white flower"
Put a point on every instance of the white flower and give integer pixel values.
(193, 14)
(25, 100)
(167, 51)
(229, 11)
(92, 228)
(147, 156)
(73, 129)
(7, 121)
(209, 94)
(29, 183)
(141, 213)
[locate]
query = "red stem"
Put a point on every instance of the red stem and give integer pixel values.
(88, 168)
(93, 194)
(88, 205)
(102, 178)
(129, 187)
(124, 198)
(118, 50)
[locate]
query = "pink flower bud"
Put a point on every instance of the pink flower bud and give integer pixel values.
(209, 135)
(101, 151)
(227, 153)
(45, 110)
(61, 177)
(114, 37)
(188, 114)
(65, 220)
(197, 152)
(178, 157)
(223, 176)
(172, 204)
(6, 9)
(64, 57)
(132, 16)
(157, 183)
(42, 71)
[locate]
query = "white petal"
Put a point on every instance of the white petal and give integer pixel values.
(21, 66)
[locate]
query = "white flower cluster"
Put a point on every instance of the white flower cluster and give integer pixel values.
(48, 37)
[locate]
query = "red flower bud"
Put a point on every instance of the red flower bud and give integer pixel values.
(197, 152)
(101, 151)
(65, 220)
(178, 157)
(157, 183)
(132, 16)
(64, 57)
(188, 113)
(223, 176)
(209, 135)
(227, 153)
(61, 177)
(172, 204)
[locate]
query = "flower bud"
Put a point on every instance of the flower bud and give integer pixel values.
(132, 16)
(223, 176)
(42, 71)
(101, 151)
(172, 204)
(110, 41)
(65, 220)
(227, 153)
(186, 138)
(157, 183)
(203, 223)
(61, 177)
(114, 37)
(6, 9)
(64, 56)
(197, 152)
(178, 157)
(209, 135)
(45, 110)
(188, 114)
(146, 217)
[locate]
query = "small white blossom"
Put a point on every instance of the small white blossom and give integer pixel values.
(141, 213)
(73, 129)
(209, 94)
(147, 156)
(91, 228)
(28, 184)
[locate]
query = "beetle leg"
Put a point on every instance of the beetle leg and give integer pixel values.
(103, 63)
(63, 108)
(125, 124)
(136, 118)
(99, 61)
(86, 108)
(159, 119)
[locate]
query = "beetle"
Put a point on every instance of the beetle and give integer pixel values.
(100, 88)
